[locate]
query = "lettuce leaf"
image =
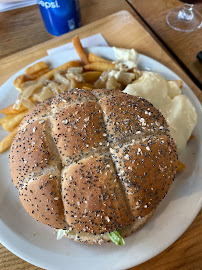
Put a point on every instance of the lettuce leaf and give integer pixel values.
(116, 238)
(61, 233)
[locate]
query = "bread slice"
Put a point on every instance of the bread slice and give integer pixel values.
(89, 238)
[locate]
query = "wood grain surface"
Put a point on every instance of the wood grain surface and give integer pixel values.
(24, 28)
(185, 253)
(184, 46)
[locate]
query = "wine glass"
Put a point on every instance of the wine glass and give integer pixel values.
(185, 19)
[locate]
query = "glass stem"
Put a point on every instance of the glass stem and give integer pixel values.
(186, 13)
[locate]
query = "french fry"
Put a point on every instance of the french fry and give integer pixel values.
(180, 166)
(19, 81)
(36, 68)
(10, 110)
(80, 50)
(38, 74)
(81, 85)
(13, 121)
(7, 141)
(87, 88)
(91, 76)
(99, 66)
(5, 119)
(94, 58)
(65, 66)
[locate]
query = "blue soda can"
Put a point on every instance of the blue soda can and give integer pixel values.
(60, 16)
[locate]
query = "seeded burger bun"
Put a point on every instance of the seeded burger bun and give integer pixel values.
(93, 162)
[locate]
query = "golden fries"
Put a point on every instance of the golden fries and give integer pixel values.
(7, 141)
(5, 119)
(10, 110)
(91, 76)
(87, 88)
(39, 66)
(10, 122)
(82, 85)
(38, 74)
(32, 73)
(94, 58)
(65, 66)
(180, 166)
(80, 50)
(19, 81)
(99, 66)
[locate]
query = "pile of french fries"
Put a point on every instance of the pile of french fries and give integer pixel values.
(40, 83)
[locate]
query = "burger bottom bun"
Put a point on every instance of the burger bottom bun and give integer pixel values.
(104, 238)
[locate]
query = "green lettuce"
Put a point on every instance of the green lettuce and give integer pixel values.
(116, 238)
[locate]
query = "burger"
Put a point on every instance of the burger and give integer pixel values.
(93, 165)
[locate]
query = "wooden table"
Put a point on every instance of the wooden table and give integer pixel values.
(183, 46)
(185, 253)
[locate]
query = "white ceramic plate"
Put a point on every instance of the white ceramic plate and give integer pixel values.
(37, 244)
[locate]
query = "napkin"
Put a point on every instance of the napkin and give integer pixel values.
(95, 40)
(8, 5)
